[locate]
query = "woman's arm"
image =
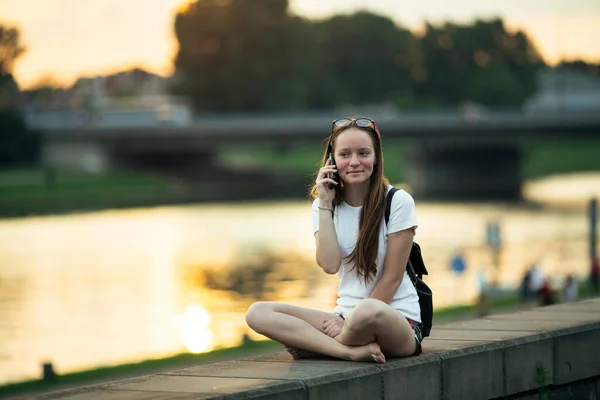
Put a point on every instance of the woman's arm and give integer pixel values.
(396, 258)
(329, 255)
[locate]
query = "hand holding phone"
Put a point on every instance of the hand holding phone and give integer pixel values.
(334, 175)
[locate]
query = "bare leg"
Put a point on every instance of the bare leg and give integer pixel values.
(299, 353)
(373, 320)
(302, 328)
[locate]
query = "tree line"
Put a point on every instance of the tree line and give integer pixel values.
(17, 143)
(238, 55)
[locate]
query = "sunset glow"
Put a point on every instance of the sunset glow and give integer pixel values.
(66, 39)
(194, 325)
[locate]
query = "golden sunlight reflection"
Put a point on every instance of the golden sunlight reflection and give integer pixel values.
(567, 190)
(194, 325)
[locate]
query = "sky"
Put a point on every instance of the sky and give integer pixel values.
(66, 39)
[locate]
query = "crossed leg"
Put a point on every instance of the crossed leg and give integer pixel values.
(372, 320)
(302, 328)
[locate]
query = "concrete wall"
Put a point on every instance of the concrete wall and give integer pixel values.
(551, 352)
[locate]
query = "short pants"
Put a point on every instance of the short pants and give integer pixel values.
(417, 327)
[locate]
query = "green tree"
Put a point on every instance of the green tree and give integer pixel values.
(361, 59)
(18, 145)
(588, 68)
(481, 62)
(238, 55)
(10, 50)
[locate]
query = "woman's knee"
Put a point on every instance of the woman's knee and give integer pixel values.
(367, 312)
(256, 313)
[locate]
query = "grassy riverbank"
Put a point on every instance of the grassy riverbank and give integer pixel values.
(503, 302)
(541, 157)
(34, 191)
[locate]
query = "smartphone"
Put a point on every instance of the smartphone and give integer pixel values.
(335, 175)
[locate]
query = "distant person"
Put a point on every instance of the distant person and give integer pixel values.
(571, 288)
(526, 294)
(595, 275)
(482, 303)
(536, 282)
(546, 294)
(377, 313)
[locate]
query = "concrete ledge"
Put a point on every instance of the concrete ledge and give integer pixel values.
(524, 360)
(473, 372)
(413, 378)
(515, 356)
(576, 353)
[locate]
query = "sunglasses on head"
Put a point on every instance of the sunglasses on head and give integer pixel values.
(347, 122)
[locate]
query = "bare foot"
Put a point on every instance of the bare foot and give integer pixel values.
(299, 353)
(370, 352)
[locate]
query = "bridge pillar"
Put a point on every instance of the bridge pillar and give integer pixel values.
(194, 164)
(88, 156)
(464, 171)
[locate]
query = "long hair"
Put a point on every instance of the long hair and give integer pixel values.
(364, 254)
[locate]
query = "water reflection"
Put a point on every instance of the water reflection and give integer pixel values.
(121, 286)
(261, 275)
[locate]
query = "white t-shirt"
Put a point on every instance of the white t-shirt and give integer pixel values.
(351, 289)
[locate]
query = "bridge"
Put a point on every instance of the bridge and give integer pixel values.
(450, 155)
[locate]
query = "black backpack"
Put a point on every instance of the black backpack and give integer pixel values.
(416, 269)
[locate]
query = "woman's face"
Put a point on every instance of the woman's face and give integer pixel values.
(354, 156)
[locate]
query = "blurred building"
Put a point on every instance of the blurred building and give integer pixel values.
(129, 98)
(564, 90)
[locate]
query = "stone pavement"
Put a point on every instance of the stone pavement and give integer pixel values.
(517, 356)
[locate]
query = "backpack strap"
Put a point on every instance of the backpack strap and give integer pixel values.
(388, 209)
(388, 205)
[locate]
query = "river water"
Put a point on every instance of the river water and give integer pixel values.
(105, 288)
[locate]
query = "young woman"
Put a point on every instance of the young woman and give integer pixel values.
(377, 313)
